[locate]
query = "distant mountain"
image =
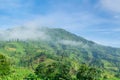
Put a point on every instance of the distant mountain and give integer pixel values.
(87, 51)
(26, 47)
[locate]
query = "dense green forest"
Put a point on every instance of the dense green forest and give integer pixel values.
(63, 56)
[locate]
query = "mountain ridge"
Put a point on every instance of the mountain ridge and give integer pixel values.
(59, 43)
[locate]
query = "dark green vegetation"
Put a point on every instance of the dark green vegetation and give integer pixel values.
(64, 56)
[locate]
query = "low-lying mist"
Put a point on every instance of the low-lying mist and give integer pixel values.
(35, 33)
(73, 43)
(23, 33)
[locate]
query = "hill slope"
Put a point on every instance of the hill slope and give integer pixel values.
(51, 44)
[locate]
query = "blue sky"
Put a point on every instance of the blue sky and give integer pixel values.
(96, 20)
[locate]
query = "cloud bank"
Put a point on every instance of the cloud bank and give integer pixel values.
(73, 43)
(23, 33)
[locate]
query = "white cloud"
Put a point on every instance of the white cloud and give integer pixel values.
(70, 42)
(74, 43)
(112, 5)
(23, 33)
(64, 20)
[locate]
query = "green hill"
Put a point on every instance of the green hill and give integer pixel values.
(53, 45)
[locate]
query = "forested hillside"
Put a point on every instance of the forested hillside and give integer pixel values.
(56, 55)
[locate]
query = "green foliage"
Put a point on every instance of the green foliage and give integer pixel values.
(89, 73)
(53, 71)
(4, 66)
(46, 56)
(31, 77)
